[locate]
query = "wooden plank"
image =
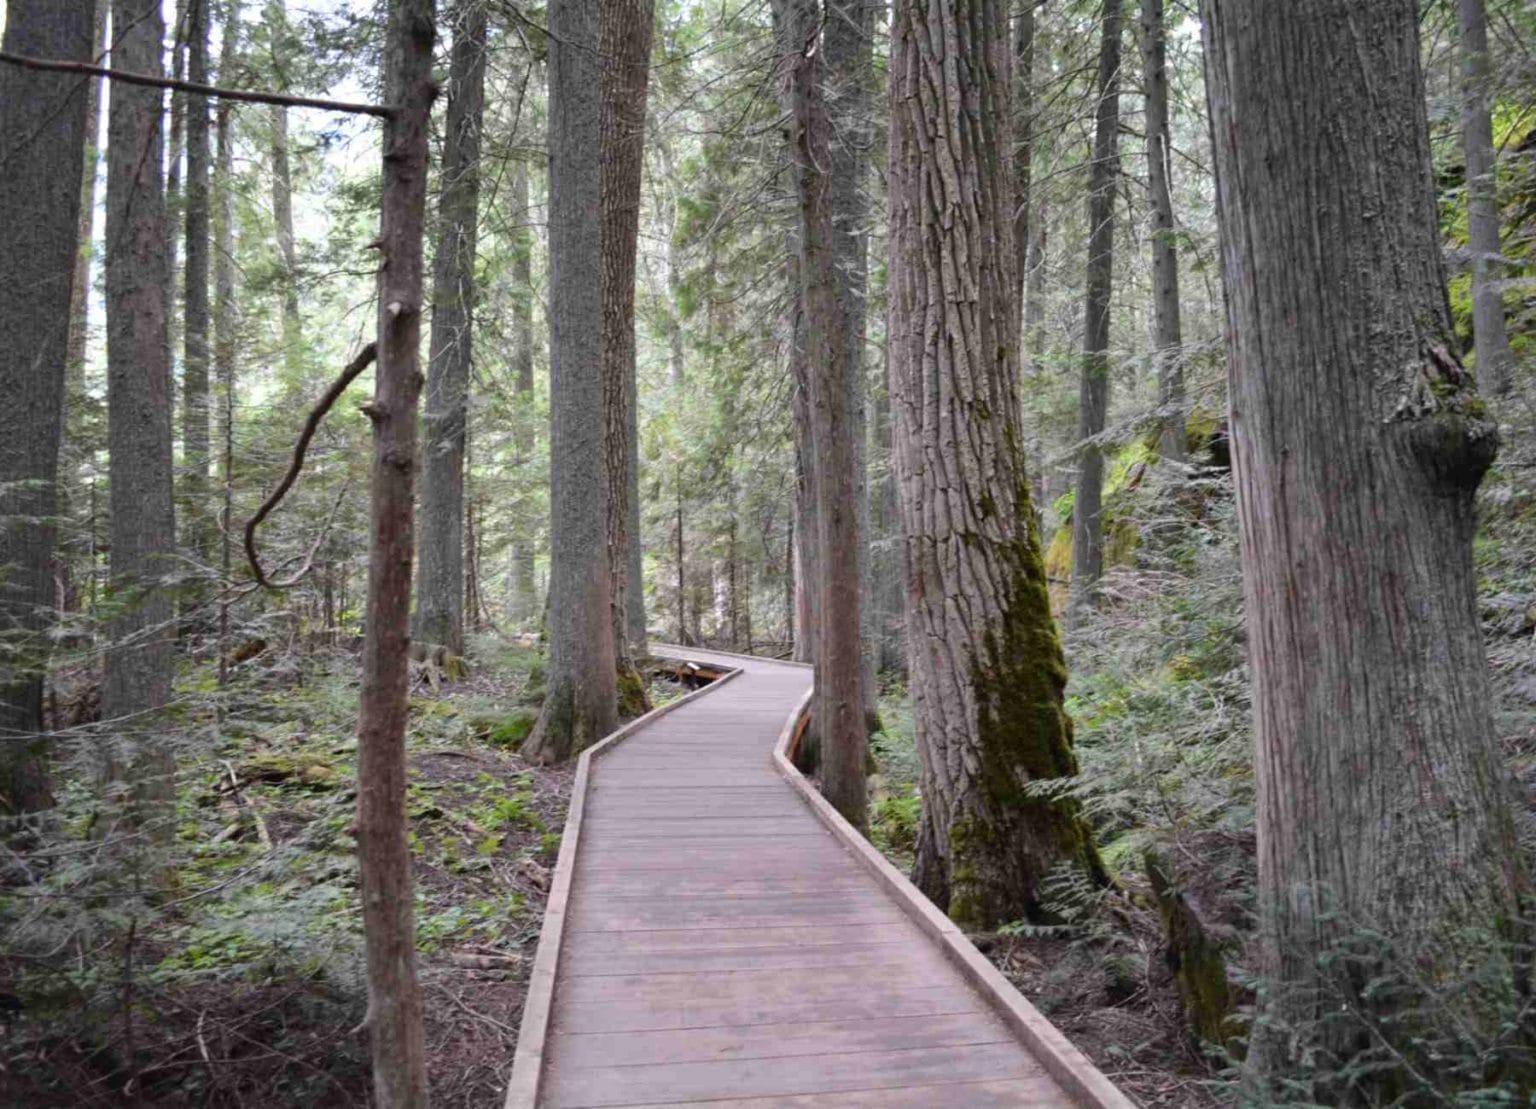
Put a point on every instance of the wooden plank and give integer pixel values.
(813, 1074)
(585, 961)
(1021, 1093)
(761, 984)
(777, 1041)
(735, 939)
(787, 883)
(609, 1015)
(693, 915)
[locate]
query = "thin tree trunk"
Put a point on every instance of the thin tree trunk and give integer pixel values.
(987, 671)
(806, 529)
(524, 588)
(42, 143)
(225, 309)
(1168, 340)
(627, 27)
(440, 587)
(80, 289)
(282, 195)
(1358, 444)
(1034, 293)
(1023, 138)
(580, 699)
(139, 659)
(383, 851)
(887, 562)
(174, 159)
(839, 705)
(195, 422)
(1494, 363)
(1093, 395)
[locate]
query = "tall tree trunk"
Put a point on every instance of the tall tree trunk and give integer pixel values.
(42, 144)
(195, 422)
(839, 705)
(282, 194)
(580, 702)
(1093, 395)
(1358, 443)
(847, 37)
(987, 671)
(627, 27)
(887, 561)
(440, 587)
(226, 322)
(525, 598)
(1168, 340)
(1034, 293)
(1023, 139)
(173, 164)
(1494, 363)
(139, 659)
(383, 851)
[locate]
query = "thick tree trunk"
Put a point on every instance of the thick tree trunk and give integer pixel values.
(195, 422)
(525, 598)
(627, 27)
(847, 39)
(383, 851)
(839, 707)
(42, 144)
(580, 699)
(1358, 442)
(1093, 394)
(139, 659)
(1494, 363)
(987, 671)
(1168, 340)
(440, 587)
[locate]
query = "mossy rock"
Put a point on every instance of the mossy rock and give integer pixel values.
(634, 699)
(303, 771)
(1201, 428)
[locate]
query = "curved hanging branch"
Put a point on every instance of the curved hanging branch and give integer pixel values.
(364, 359)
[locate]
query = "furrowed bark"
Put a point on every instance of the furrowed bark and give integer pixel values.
(440, 586)
(987, 671)
(1093, 393)
(627, 27)
(839, 704)
(383, 851)
(1358, 444)
(580, 699)
(42, 143)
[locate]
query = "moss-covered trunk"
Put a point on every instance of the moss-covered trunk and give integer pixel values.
(987, 670)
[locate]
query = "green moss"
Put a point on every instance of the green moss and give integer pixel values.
(1007, 839)
(510, 732)
(634, 699)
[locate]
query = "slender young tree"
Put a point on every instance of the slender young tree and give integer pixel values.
(195, 415)
(440, 587)
(1093, 394)
(1494, 363)
(80, 291)
(1168, 338)
(839, 706)
(226, 309)
(282, 189)
(525, 601)
(580, 697)
(627, 27)
(1358, 443)
(42, 144)
(987, 671)
(383, 847)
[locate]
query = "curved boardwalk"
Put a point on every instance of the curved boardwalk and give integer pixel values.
(714, 936)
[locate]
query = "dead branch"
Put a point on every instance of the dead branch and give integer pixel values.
(85, 69)
(364, 359)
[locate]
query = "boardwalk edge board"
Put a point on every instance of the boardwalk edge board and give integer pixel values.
(533, 1034)
(1077, 1075)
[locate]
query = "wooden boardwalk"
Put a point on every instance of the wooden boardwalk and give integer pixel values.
(716, 934)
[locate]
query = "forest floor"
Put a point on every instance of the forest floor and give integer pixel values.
(243, 985)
